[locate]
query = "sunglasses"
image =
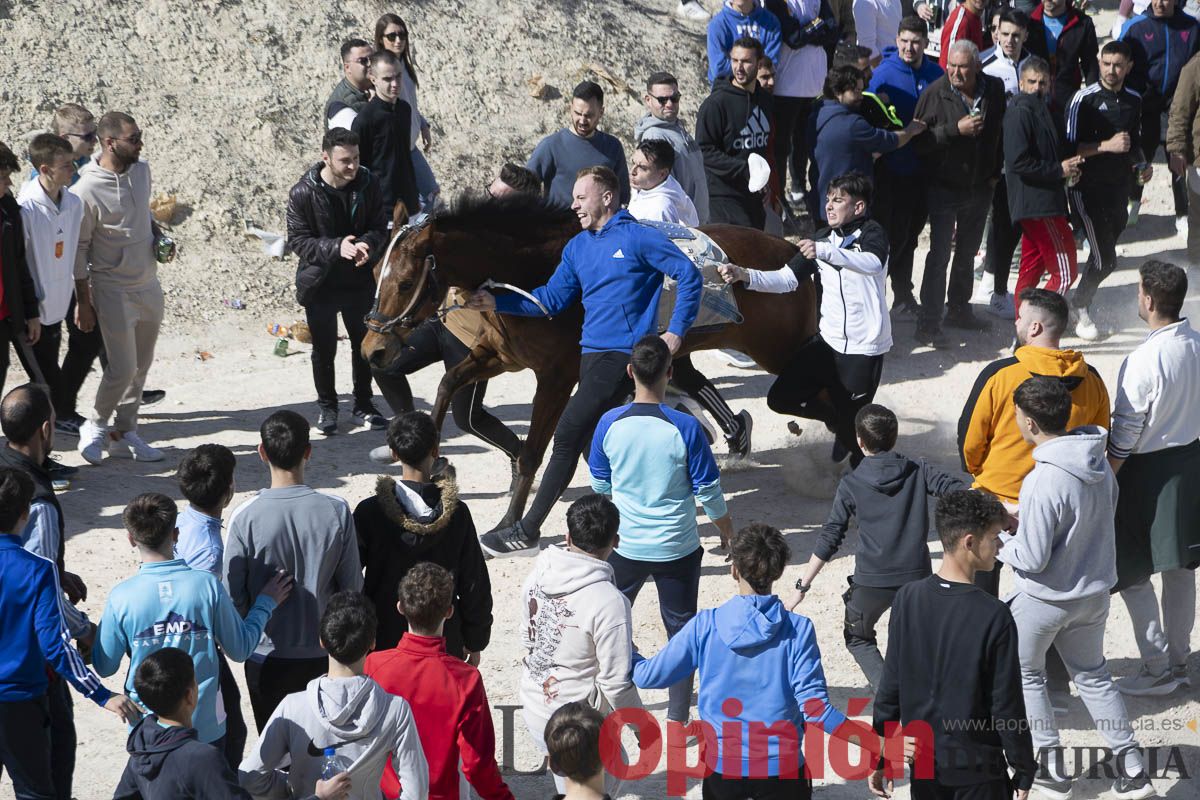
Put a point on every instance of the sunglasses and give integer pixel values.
(394, 35)
(364, 61)
(671, 98)
(87, 137)
(135, 139)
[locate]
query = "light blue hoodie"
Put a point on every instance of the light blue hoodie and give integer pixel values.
(169, 604)
(753, 651)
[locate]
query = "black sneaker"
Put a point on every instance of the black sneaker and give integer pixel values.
(369, 416)
(965, 319)
(327, 421)
(152, 396)
(1135, 788)
(927, 334)
(509, 542)
(905, 310)
(1051, 788)
(57, 469)
(68, 426)
(739, 443)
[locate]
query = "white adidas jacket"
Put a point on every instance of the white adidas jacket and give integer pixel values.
(852, 261)
(51, 238)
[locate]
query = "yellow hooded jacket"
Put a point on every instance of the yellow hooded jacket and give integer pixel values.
(989, 442)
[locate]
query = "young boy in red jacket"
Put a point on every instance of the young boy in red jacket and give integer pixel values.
(445, 693)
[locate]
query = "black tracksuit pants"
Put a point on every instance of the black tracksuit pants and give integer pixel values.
(1102, 214)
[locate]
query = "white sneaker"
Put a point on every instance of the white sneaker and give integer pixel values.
(1001, 305)
(133, 446)
(692, 10)
(735, 359)
(1084, 327)
(983, 289)
(92, 438)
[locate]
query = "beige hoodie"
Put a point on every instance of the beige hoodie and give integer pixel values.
(116, 239)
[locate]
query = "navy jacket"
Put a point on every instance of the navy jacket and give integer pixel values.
(617, 272)
(903, 85)
(845, 143)
(170, 764)
(1160, 49)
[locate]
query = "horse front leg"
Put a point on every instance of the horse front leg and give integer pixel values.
(479, 365)
(553, 391)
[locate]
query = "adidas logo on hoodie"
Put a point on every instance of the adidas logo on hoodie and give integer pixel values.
(755, 134)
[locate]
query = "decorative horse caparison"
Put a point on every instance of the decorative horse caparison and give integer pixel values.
(519, 241)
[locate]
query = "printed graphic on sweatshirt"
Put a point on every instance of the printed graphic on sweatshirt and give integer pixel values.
(547, 620)
(174, 628)
(755, 134)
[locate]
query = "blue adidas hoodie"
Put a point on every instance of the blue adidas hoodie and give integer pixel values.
(903, 85)
(729, 25)
(169, 604)
(617, 272)
(34, 634)
(753, 651)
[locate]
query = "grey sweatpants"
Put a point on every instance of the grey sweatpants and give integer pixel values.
(1076, 630)
(1163, 641)
(129, 321)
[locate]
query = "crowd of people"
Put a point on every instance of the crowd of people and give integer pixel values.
(360, 629)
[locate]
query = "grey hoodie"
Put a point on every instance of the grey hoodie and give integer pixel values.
(355, 716)
(1065, 547)
(578, 637)
(116, 236)
(689, 161)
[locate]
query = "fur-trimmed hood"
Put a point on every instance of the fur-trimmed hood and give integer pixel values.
(410, 507)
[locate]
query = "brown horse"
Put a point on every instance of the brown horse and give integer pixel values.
(519, 241)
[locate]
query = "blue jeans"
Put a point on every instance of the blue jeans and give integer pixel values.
(427, 185)
(678, 585)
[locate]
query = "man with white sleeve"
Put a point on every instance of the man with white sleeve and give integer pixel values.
(1153, 448)
(657, 196)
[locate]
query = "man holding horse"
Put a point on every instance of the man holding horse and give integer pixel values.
(615, 267)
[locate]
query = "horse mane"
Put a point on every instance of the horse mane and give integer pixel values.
(479, 212)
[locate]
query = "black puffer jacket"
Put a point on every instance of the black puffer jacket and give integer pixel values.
(319, 217)
(392, 540)
(20, 295)
(1033, 155)
(949, 158)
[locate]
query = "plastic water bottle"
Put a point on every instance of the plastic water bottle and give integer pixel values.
(333, 764)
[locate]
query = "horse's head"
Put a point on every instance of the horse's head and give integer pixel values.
(409, 288)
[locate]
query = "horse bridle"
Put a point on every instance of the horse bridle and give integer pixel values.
(427, 284)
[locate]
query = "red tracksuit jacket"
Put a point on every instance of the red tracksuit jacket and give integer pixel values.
(451, 710)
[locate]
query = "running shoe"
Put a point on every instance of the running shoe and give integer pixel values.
(905, 310)
(509, 542)
(1051, 788)
(57, 469)
(1085, 328)
(929, 335)
(964, 318)
(1148, 684)
(327, 421)
(693, 11)
(369, 416)
(739, 443)
(1001, 305)
(1138, 787)
(381, 455)
(92, 438)
(152, 396)
(740, 360)
(130, 445)
(68, 426)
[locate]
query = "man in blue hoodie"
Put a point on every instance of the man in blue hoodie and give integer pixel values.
(900, 202)
(615, 267)
(738, 18)
(1065, 561)
(759, 665)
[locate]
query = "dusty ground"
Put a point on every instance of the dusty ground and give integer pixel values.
(228, 93)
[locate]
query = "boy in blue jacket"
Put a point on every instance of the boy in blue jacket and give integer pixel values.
(169, 604)
(33, 636)
(758, 662)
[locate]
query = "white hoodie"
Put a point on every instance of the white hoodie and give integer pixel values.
(116, 239)
(355, 716)
(51, 239)
(578, 634)
(667, 202)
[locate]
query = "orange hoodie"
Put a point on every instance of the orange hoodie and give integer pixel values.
(989, 443)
